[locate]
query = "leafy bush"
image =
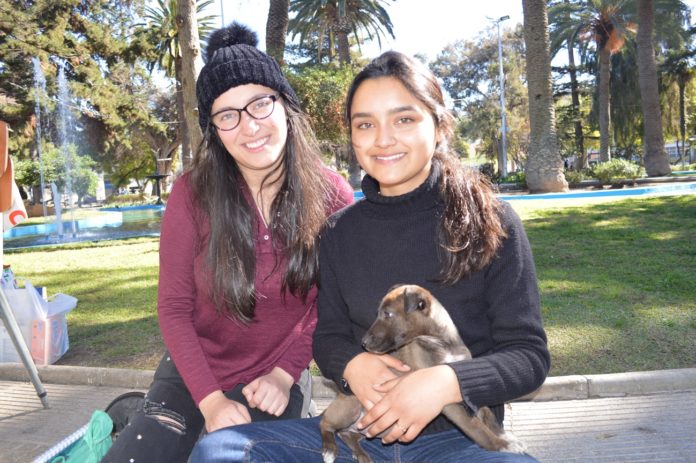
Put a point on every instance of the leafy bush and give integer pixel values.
(520, 178)
(135, 199)
(614, 171)
(574, 177)
(678, 167)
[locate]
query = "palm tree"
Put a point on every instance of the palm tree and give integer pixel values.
(655, 158)
(277, 28)
(679, 68)
(337, 20)
(606, 24)
(163, 20)
(544, 169)
(557, 42)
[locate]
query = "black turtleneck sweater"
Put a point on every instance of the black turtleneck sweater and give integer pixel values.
(382, 241)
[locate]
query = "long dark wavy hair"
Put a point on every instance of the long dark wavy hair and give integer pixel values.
(297, 214)
(470, 229)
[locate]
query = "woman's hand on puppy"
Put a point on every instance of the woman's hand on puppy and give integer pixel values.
(221, 412)
(410, 402)
(270, 393)
(366, 370)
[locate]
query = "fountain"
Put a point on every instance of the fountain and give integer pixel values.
(59, 209)
(40, 92)
(64, 122)
(157, 177)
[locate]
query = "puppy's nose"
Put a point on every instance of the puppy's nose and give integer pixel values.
(364, 344)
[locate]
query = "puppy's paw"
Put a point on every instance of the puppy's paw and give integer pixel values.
(514, 445)
(329, 456)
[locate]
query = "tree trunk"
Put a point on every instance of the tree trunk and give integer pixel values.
(342, 28)
(191, 64)
(180, 104)
(604, 104)
(544, 170)
(655, 157)
(581, 160)
(277, 29)
(682, 114)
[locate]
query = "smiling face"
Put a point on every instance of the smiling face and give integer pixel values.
(257, 145)
(393, 134)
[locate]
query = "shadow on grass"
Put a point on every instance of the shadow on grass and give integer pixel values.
(617, 284)
(135, 343)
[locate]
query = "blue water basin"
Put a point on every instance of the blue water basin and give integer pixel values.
(132, 221)
(111, 223)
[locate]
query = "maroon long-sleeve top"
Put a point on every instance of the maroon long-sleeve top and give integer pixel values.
(213, 352)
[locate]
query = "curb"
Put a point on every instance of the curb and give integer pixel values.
(84, 376)
(571, 387)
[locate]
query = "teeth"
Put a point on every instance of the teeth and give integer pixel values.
(390, 157)
(257, 143)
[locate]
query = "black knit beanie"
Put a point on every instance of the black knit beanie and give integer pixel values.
(232, 59)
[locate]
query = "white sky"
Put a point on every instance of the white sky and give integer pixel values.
(420, 26)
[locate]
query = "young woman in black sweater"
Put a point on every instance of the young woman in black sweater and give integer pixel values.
(425, 220)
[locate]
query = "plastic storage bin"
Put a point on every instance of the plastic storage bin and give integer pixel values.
(42, 323)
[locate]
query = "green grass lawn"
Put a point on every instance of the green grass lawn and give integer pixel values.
(618, 284)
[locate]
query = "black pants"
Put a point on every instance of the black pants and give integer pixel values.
(170, 423)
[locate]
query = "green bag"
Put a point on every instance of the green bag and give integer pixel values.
(91, 447)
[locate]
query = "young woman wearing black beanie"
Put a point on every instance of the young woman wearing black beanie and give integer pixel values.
(238, 260)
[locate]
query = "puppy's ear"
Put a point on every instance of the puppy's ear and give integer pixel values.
(413, 301)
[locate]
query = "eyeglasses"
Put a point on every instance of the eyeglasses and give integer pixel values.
(229, 118)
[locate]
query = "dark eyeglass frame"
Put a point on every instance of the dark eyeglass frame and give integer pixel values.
(273, 98)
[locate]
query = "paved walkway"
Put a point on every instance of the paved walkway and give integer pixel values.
(629, 417)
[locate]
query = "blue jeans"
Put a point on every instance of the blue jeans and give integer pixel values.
(149, 438)
(299, 441)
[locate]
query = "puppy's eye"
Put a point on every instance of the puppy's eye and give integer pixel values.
(387, 314)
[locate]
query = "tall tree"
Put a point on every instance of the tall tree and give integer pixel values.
(655, 158)
(162, 19)
(558, 41)
(338, 19)
(469, 73)
(101, 51)
(191, 64)
(606, 24)
(679, 67)
(277, 29)
(544, 169)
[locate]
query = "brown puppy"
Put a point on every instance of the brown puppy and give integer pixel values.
(412, 326)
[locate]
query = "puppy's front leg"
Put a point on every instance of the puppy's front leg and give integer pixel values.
(352, 440)
(341, 414)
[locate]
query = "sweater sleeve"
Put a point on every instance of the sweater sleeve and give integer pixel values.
(334, 342)
(176, 297)
(520, 360)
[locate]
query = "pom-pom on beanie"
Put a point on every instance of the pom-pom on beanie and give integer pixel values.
(232, 59)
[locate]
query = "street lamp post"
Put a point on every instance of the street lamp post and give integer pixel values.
(501, 77)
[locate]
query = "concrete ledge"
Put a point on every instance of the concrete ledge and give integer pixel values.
(641, 382)
(554, 388)
(90, 376)
(560, 388)
(614, 385)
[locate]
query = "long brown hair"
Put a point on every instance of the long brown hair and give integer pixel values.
(470, 230)
(298, 212)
